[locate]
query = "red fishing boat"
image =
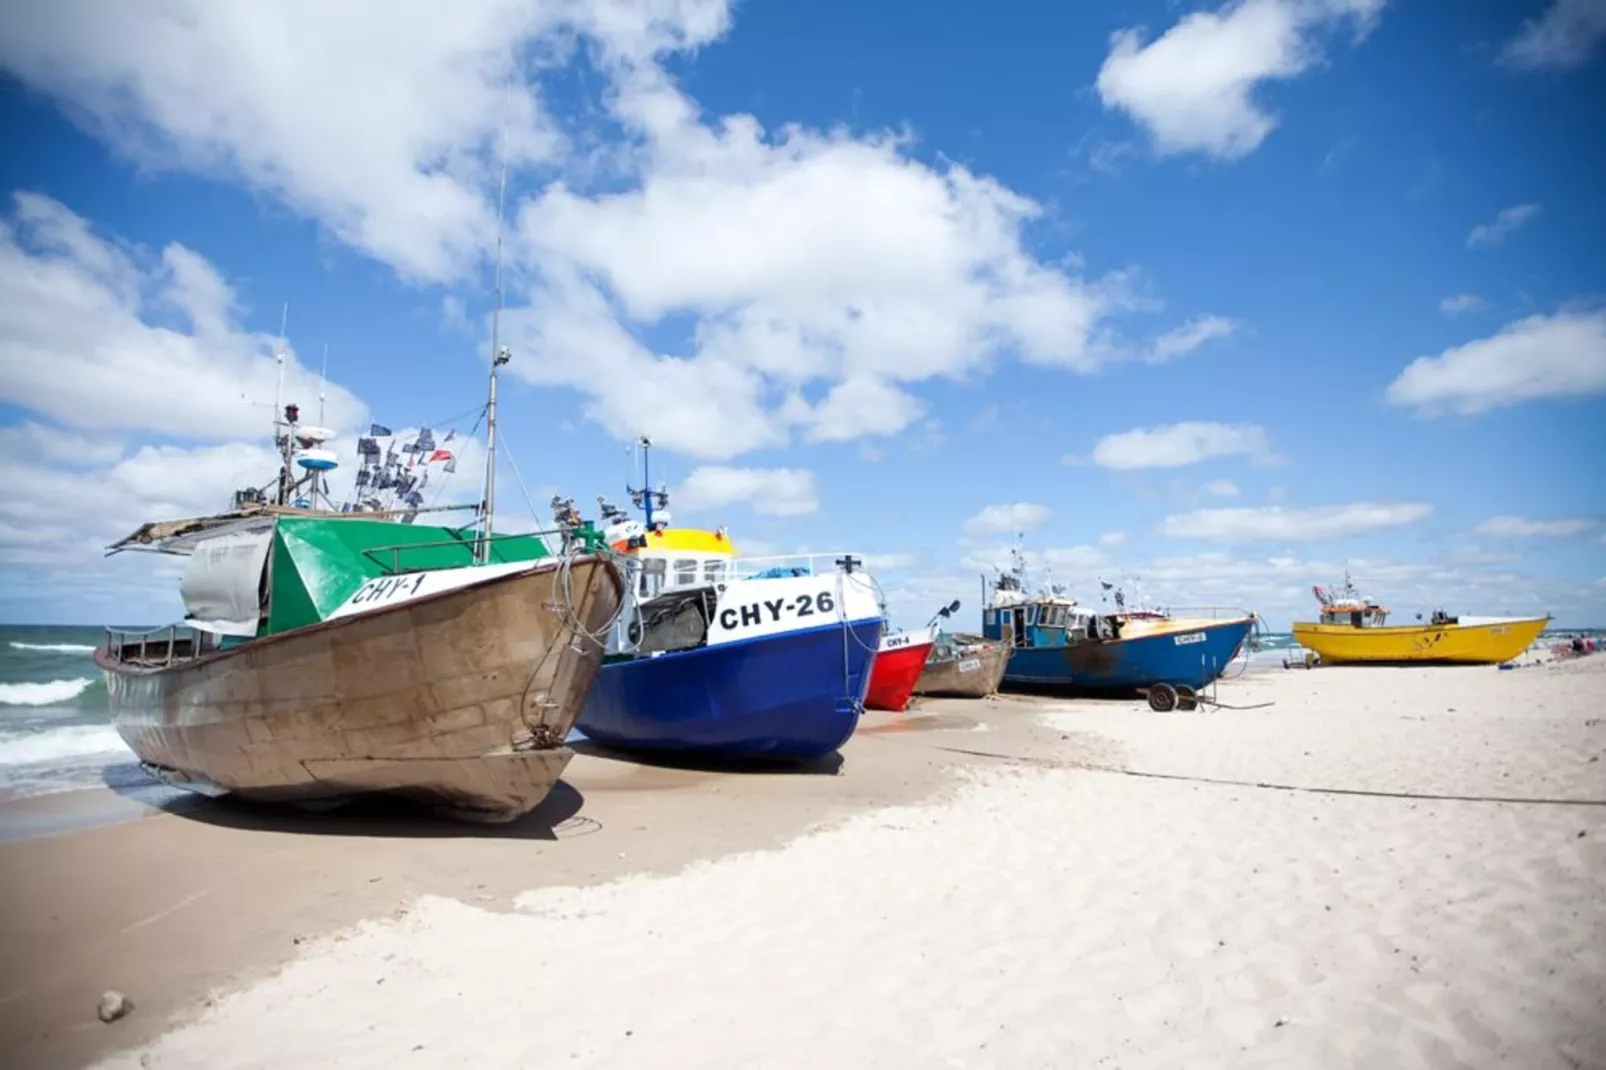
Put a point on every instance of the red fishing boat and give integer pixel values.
(898, 664)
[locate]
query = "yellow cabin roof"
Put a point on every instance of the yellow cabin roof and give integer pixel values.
(689, 540)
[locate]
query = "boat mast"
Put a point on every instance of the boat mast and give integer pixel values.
(646, 498)
(500, 355)
(281, 438)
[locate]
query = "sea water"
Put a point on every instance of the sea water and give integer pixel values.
(55, 728)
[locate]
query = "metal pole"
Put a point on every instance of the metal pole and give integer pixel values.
(499, 357)
(646, 477)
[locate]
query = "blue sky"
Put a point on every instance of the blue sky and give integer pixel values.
(1218, 297)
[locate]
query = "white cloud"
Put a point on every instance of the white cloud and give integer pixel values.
(795, 282)
(812, 265)
(1114, 539)
(1278, 523)
(1190, 336)
(767, 491)
(1544, 356)
(1562, 37)
(1456, 304)
(1220, 488)
(379, 119)
(1194, 87)
(1181, 444)
(80, 340)
(34, 442)
(1521, 526)
(1505, 224)
(1007, 519)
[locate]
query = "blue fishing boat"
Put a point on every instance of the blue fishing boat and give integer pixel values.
(1055, 642)
(764, 659)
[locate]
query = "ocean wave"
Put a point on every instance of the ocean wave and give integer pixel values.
(53, 648)
(47, 694)
(73, 741)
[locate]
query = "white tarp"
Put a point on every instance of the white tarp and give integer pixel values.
(222, 584)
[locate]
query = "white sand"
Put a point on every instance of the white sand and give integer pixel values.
(1054, 917)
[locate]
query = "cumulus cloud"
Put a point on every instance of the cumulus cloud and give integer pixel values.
(768, 491)
(1543, 356)
(720, 286)
(1277, 523)
(1181, 444)
(1505, 224)
(378, 118)
(1006, 519)
(823, 274)
(1562, 37)
(1194, 87)
(81, 339)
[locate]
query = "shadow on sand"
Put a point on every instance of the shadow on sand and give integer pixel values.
(828, 765)
(368, 816)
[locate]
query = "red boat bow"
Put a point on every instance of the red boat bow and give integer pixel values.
(897, 668)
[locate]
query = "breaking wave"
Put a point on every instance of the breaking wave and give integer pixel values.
(54, 648)
(73, 741)
(44, 694)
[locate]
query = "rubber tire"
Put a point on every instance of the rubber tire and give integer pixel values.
(1162, 698)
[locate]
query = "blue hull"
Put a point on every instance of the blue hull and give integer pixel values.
(1125, 664)
(790, 697)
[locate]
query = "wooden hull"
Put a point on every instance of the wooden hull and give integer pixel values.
(975, 674)
(460, 699)
(1481, 643)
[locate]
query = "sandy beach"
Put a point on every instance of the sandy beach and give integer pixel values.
(1369, 867)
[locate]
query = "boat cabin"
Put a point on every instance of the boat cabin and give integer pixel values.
(670, 560)
(1345, 608)
(1047, 621)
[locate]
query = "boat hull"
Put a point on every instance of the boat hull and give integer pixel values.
(893, 677)
(461, 699)
(1483, 643)
(1191, 654)
(787, 697)
(975, 672)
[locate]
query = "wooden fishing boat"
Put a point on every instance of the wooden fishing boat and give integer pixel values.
(452, 686)
(1353, 630)
(963, 666)
(332, 651)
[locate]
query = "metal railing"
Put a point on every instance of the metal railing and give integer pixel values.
(1196, 612)
(157, 647)
(775, 565)
(590, 541)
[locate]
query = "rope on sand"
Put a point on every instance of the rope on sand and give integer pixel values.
(1268, 785)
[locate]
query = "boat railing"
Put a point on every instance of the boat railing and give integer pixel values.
(1207, 612)
(157, 648)
(389, 558)
(780, 565)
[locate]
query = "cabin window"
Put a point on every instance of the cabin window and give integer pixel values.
(1031, 616)
(652, 577)
(992, 616)
(713, 571)
(685, 573)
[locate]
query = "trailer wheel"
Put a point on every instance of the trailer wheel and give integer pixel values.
(1162, 698)
(1187, 697)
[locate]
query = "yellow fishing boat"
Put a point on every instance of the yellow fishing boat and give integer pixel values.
(1352, 629)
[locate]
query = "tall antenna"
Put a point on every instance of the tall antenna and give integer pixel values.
(499, 356)
(281, 439)
(323, 379)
